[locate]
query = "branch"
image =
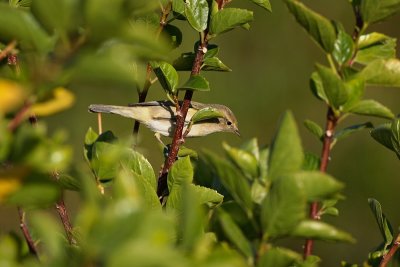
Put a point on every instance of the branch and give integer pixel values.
(8, 49)
(26, 233)
(180, 120)
(386, 258)
(331, 122)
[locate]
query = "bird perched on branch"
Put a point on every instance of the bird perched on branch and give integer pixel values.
(160, 117)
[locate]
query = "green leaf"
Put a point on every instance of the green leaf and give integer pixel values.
(178, 6)
(375, 46)
(286, 155)
(232, 180)
(137, 163)
(69, 182)
(35, 195)
(334, 87)
(383, 223)
(283, 208)
(105, 160)
(383, 135)
(205, 114)
(167, 75)
(371, 108)
(214, 64)
(174, 35)
(181, 172)
(373, 11)
(351, 129)
(207, 196)
(279, 257)
(184, 62)
(90, 138)
(396, 136)
(355, 88)
(49, 232)
(311, 162)
(382, 72)
(317, 26)
(318, 230)
(229, 18)
(55, 15)
(251, 146)
(196, 12)
(196, 83)
(235, 234)
(135, 188)
(343, 47)
(264, 4)
(317, 185)
(245, 161)
(191, 225)
(314, 128)
(25, 29)
(317, 88)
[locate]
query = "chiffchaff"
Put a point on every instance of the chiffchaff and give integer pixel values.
(160, 116)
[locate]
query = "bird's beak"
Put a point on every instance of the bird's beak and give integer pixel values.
(237, 132)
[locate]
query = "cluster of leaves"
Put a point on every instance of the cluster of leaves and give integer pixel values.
(354, 61)
(266, 192)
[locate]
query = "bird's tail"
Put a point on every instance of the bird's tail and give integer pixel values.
(129, 112)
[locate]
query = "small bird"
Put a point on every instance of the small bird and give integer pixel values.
(160, 117)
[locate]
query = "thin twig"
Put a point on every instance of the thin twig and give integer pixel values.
(26, 233)
(8, 49)
(19, 117)
(99, 123)
(148, 81)
(331, 122)
(387, 257)
(63, 213)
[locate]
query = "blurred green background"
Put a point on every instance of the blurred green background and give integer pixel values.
(271, 66)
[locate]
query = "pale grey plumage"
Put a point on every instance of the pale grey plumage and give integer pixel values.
(159, 116)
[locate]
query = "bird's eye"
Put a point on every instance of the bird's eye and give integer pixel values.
(229, 123)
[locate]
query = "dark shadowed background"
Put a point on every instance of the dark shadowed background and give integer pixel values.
(271, 66)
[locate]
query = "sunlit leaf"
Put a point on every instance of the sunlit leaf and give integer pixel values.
(196, 12)
(283, 208)
(286, 154)
(12, 96)
(382, 72)
(318, 230)
(371, 108)
(319, 27)
(383, 223)
(196, 83)
(62, 99)
(229, 18)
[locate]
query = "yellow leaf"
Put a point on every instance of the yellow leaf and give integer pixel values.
(10, 181)
(62, 99)
(11, 96)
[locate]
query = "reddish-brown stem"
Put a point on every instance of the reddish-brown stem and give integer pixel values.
(19, 117)
(147, 83)
(331, 122)
(180, 121)
(26, 233)
(8, 49)
(387, 257)
(63, 213)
